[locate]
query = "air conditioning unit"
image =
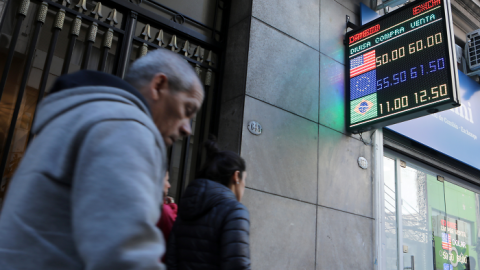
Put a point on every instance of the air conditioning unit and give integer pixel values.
(472, 50)
(461, 62)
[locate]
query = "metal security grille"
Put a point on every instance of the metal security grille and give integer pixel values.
(42, 40)
(473, 51)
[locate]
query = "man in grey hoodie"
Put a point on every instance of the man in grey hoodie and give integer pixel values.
(88, 191)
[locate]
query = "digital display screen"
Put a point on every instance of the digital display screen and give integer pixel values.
(401, 66)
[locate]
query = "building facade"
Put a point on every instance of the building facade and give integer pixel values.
(279, 63)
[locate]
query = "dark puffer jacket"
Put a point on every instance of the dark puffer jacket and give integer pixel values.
(211, 230)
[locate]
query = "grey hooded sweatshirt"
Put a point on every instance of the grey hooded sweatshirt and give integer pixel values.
(88, 191)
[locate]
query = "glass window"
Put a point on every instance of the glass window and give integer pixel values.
(430, 222)
(459, 241)
(390, 213)
(416, 234)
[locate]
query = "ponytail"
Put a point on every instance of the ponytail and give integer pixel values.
(220, 165)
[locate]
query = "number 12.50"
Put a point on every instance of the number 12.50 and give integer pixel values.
(437, 91)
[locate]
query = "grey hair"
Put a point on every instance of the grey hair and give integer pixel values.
(181, 76)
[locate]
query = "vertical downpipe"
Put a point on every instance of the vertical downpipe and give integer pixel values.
(379, 200)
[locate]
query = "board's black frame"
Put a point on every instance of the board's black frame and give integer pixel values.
(415, 113)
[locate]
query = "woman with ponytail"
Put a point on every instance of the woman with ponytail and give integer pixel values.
(212, 228)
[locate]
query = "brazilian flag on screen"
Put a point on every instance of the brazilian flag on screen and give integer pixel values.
(363, 108)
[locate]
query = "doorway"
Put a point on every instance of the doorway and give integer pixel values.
(41, 40)
(431, 219)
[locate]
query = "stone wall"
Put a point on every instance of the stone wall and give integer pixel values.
(311, 205)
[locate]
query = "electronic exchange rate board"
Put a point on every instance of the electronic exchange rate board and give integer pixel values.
(401, 66)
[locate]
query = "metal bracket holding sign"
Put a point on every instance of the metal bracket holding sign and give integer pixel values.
(401, 66)
(350, 25)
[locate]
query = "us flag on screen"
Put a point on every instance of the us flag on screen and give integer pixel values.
(446, 241)
(362, 64)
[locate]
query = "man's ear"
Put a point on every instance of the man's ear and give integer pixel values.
(236, 177)
(158, 84)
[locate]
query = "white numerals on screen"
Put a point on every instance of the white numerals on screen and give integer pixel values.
(390, 57)
(398, 103)
(435, 92)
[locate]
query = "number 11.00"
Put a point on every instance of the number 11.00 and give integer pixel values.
(398, 103)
